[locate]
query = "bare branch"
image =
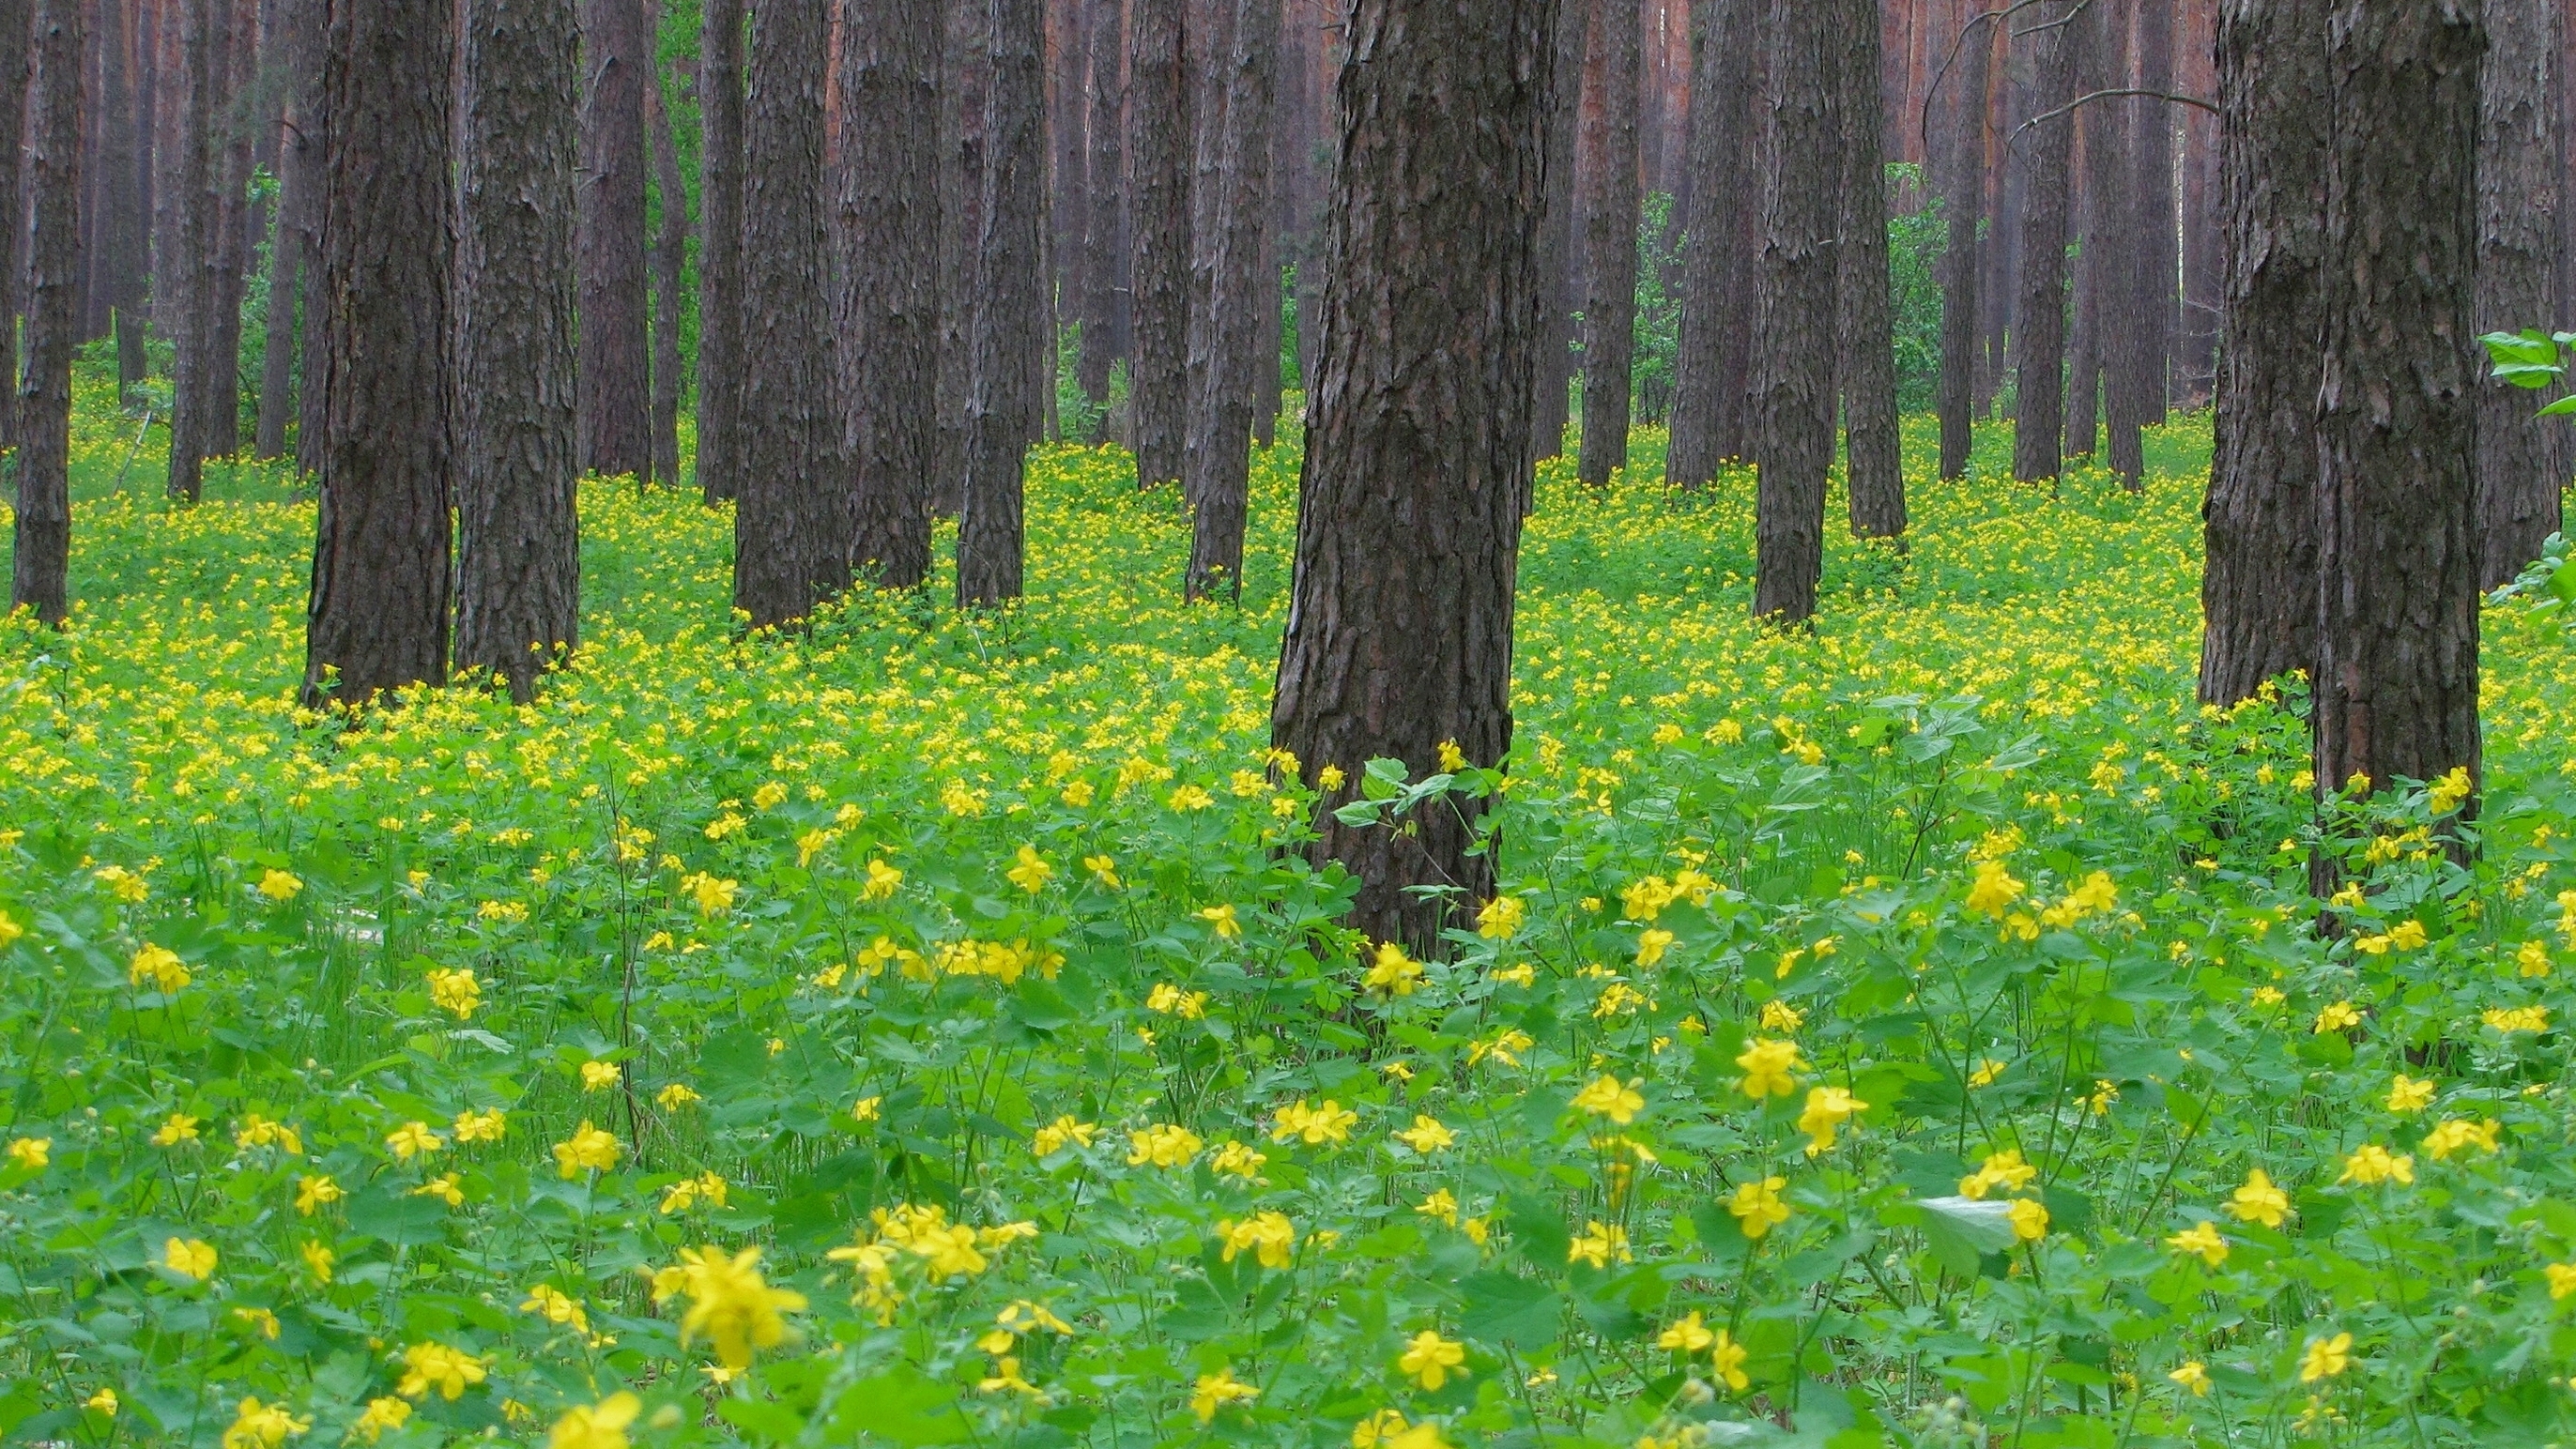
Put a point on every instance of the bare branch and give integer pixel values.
(2054, 113)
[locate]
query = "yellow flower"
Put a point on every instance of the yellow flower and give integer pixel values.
(160, 966)
(588, 1149)
(318, 1259)
(278, 885)
(2003, 1170)
(1759, 1207)
(1032, 873)
(485, 1126)
(1688, 1335)
(2449, 792)
(2406, 1094)
(731, 1305)
(262, 1426)
(1652, 945)
(189, 1258)
(432, 1367)
(102, 1402)
(123, 884)
(1386, 1429)
(598, 1076)
(1169, 1000)
(261, 1321)
(2450, 1136)
(1769, 1065)
(1727, 1358)
(1329, 778)
(1215, 1391)
(881, 882)
(178, 1128)
(1827, 1109)
(1006, 1373)
(1780, 1016)
(1221, 920)
(713, 897)
(31, 1153)
(1994, 891)
(380, 1414)
(314, 1191)
(599, 1426)
(1597, 1244)
(1430, 1360)
(669, 1099)
(1269, 1236)
(1163, 1145)
(2342, 1016)
(2376, 1164)
(1315, 1126)
(2202, 1241)
(2258, 1201)
(1063, 1132)
(2406, 935)
(1605, 1097)
(455, 991)
(2029, 1219)
(1441, 1206)
(1426, 1135)
(2532, 959)
(1501, 918)
(2562, 1279)
(1190, 797)
(411, 1139)
(2325, 1358)
(2519, 1018)
(2193, 1375)
(1392, 971)
(866, 1109)
(443, 1188)
(1103, 869)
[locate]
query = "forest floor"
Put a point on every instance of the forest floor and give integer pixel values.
(1913, 1033)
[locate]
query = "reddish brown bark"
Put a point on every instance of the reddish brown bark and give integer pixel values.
(720, 359)
(1610, 243)
(616, 406)
(41, 555)
(1794, 310)
(889, 300)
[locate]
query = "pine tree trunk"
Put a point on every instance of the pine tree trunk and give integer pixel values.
(16, 60)
(2522, 462)
(791, 525)
(2158, 275)
(378, 616)
(720, 309)
(190, 268)
(2396, 688)
(2126, 382)
(1794, 310)
(1610, 248)
(1556, 237)
(670, 270)
(1722, 32)
(1159, 130)
(1963, 194)
(890, 103)
(120, 189)
(290, 245)
(1418, 446)
(2196, 346)
(2039, 346)
(1010, 312)
(235, 223)
(966, 83)
(616, 408)
(313, 395)
(1105, 188)
(40, 578)
(1875, 472)
(1211, 41)
(2098, 181)
(518, 554)
(2006, 109)
(2259, 589)
(1240, 218)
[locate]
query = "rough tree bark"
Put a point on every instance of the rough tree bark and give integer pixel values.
(2039, 343)
(1418, 446)
(127, 155)
(890, 281)
(1010, 312)
(670, 268)
(1725, 43)
(1105, 190)
(192, 268)
(2522, 462)
(1211, 44)
(965, 83)
(1556, 236)
(1610, 246)
(2396, 690)
(791, 526)
(1963, 197)
(1158, 119)
(41, 561)
(1874, 474)
(1237, 293)
(616, 416)
(2259, 590)
(16, 22)
(720, 253)
(1794, 310)
(518, 553)
(377, 619)
(234, 225)
(2157, 277)
(291, 245)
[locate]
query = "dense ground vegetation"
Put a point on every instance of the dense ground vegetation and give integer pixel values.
(1918, 1032)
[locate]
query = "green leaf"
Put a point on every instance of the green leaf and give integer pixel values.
(900, 1406)
(1503, 1308)
(404, 1221)
(1958, 1230)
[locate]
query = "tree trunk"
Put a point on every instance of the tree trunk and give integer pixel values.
(1724, 39)
(1235, 299)
(1875, 470)
(2099, 183)
(1158, 118)
(1105, 190)
(121, 191)
(1556, 236)
(2396, 690)
(2196, 345)
(791, 527)
(1610, 247)
(235, 223)
(378, 616)
(1009, 314)
(1963, 160)
(2039, 345)
(890, 101)
(191, 267)
(966, 77)
(2158, 275)
(1399, 631)
(720, 310)
(2126, 348)
(291, 243)
(670, 270)
(2259, 588)
(2522, 462)
(2006, 109)
(41, 559)
(1211, 42)
(616, 410)
(1794, 310)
